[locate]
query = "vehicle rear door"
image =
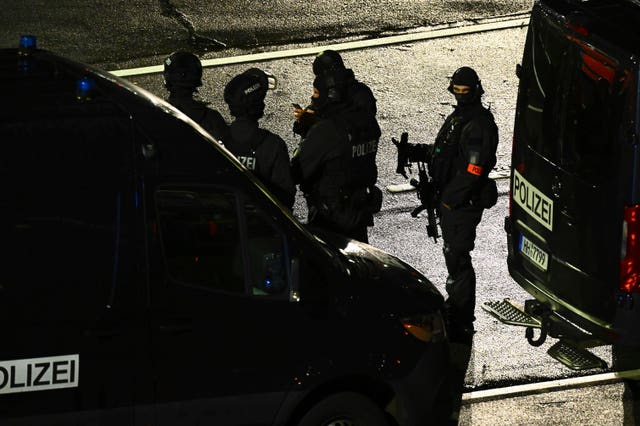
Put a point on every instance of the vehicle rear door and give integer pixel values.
(571, 164)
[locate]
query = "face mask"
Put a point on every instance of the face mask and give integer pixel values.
(318, 102)
(464, 99)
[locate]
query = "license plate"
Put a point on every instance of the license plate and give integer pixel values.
(535, 254)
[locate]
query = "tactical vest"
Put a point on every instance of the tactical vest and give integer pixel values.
(362, 193)
(363, 141)
(447, 159)
(363, 162)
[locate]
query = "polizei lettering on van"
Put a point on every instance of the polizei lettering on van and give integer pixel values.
(36, 374)
(538, 205)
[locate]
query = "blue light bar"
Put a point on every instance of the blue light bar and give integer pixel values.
(27, 41)
(84, 88)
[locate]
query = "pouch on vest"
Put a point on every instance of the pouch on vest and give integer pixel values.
(487, 195)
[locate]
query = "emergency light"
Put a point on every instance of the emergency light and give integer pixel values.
(84, 88)
(27, 42)
(26, 46)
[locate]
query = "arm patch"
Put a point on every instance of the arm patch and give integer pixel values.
(474, 169)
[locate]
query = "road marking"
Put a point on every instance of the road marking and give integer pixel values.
(446, 31)
(555, 385)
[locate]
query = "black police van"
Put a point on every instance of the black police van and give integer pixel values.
(147, 278)
(574, 214)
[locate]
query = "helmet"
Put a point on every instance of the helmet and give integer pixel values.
(245, 93)
(326, 61)
(465, 76)
(182, 69)
(268, 79)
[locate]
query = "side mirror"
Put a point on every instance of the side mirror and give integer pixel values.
(518, 71)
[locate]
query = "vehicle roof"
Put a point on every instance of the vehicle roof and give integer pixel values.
(617, 21)
(42, 86)
(41, 90)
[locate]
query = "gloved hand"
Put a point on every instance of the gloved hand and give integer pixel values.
(403, 153)
(304, 119)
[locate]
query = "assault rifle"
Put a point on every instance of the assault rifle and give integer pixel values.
(425, 188)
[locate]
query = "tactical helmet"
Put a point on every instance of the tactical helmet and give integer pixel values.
(466, 76)
(326, 61)
(245, 93)
(182, 69)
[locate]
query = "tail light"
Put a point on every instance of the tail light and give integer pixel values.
(630, 250)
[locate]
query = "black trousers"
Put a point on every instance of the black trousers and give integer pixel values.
(459, 234)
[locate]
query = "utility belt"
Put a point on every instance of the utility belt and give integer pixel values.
(484, 195)
(487, 194)
(349, 209)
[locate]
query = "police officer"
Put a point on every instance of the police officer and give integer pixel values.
(459, 161)
(358, 114)
(359, 94)
(182, 77)
(261, 151)
(321, 163)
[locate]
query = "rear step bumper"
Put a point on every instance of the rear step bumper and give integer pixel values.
(570, 349)
(508, 312)
(574, 357)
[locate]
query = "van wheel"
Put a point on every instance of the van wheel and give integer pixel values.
(345, 409)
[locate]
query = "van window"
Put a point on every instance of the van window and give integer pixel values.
(213, 241)
(575, 102)
(266, 254)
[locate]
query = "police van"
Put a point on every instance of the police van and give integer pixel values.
(573, 226)
(147, 278)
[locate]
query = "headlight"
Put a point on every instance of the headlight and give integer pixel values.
(425, 327)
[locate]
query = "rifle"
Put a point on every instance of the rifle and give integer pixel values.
(428, 200)
(425, 188)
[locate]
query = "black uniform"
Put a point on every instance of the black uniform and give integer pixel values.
(358, 115)
(364, 132)
(182, 76)
(463, 156)
(265, 154)
(459, 164)
(261, 151)
(210, 119)
(321, 164)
